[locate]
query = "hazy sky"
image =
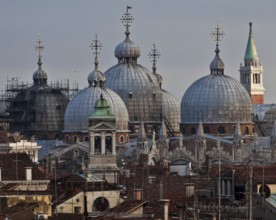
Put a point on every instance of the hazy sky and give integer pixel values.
(179, 28)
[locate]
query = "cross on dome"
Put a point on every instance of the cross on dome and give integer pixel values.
(95, 47)
(127, 19)
(39, 47)
(154, 55)
(217, 34)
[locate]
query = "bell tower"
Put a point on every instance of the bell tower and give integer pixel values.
(251, 73)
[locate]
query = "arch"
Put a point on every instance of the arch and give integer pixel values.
(100, 204)
(206, 129)
(221, 130)
(86, 139)
(246, 130)
(183, 131)
(131, 129)
(193, 130)
(75, 139)
(108, 145)
(121, 139)
(98, 148)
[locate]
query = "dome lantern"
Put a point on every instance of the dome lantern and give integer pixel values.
(40, 77)
(96, 77)
(217, 65)
(127, 51)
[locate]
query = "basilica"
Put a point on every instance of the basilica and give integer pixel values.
(125, 116)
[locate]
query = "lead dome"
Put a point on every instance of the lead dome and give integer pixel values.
(81, 107)
(135, 84)
(218, 100)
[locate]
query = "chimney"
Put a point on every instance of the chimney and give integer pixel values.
(28, 171)
(137, 194)
(165, 203)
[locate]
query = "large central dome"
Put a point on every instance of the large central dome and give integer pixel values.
(135, 84)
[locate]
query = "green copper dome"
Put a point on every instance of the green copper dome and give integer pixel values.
(102, 109)
(251, 51)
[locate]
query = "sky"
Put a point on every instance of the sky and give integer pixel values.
(180, 30)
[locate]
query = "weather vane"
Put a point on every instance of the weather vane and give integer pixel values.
(127, 19)
(39, 47)
(217, 34)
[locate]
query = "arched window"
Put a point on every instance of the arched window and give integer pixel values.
(183, 131)
(108, 145)
(246, 130)
(193, 130)
(121, 139)
(100, 204)
(86, 139)
(206, 129)
(221, 130)
(98, 149)
(131, 129)
(67, 138)
(75, 139)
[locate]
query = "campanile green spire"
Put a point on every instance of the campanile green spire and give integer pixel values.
(251, 51)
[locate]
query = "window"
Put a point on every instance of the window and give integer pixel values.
(221, 130)
(77, 209)
(206, 129)
(211, 193)
(246, 130)
(100, 204)
(121, 139)
(193, 130)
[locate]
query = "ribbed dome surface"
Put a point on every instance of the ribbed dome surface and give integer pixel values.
(171, 109)
(216, 99)
(127, 49)
(40, 75)
(139, 90)
(82, 106)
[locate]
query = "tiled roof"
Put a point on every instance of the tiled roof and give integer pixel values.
(127, 206)
(14, 210)
(13, 167)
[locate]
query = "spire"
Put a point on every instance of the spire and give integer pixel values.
(237, 134)
(163, 131)
(200, 130)
(217, 65)
(39, 47)
(251, 51)
(127, 19)
(141, 133)
(96, 46)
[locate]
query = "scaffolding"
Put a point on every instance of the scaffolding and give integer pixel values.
(24, 104)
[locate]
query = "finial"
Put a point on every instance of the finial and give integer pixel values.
(127, 19)
(250, 27)
(217, 35)
(39, 47)
(96, 45)
(154, 55)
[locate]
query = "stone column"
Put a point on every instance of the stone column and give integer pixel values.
(103, 142)
(92, 144)
(113, 143)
